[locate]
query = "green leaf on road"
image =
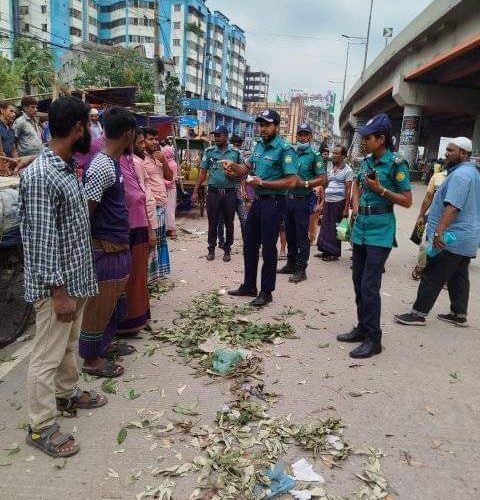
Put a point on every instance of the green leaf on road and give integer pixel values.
(131, 394)
(109, 386)
(122, 435)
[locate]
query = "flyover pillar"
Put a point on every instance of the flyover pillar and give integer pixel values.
(410, 134)
(476, 137)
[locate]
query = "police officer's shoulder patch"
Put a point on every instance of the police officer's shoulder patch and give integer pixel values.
(400, 176)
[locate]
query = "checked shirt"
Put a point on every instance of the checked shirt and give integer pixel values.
(55, 230)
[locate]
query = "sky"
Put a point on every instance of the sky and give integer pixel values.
(299, 43)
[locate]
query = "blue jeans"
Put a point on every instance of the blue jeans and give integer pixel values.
(242, 217)
(262, 228)
(368, 263)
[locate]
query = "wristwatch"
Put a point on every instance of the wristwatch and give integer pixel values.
(306, 184)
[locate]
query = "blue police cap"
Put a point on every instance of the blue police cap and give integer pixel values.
(304, 127)
(221, 129)
(269, 116)
(379, 124)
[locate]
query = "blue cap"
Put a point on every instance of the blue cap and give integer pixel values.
(304, 127)
(221, 129)
(379, 124)
(269, 116)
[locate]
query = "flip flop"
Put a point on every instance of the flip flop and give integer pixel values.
(120, 349)
(111, 370)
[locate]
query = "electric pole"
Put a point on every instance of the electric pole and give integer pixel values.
(159, 107)
(368, 38)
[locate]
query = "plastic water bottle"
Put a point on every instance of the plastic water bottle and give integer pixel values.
(448, 239)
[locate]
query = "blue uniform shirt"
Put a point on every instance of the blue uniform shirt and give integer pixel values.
(309, 166)
(379, 229)
(211, 162)
(460, 189)
(273, 161)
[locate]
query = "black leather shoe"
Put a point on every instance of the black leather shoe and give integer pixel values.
(262, 300)
(297, 277)
(286, 269)
(210, 256)
(227, 258)
(353, 336)
(366, 350)
(243, 292)
(221, 245)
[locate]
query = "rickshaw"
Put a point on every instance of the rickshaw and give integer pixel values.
(15, 313)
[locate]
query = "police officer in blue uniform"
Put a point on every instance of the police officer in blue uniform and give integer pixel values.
(311, 173)
(383, 181)
(273, 168)
(222, 188)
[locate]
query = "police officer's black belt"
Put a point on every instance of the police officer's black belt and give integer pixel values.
(386, 209)
(292, 196)
(221, 190)
(269, 196)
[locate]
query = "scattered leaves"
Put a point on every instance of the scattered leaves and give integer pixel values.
(454, 377)
(131, 394)
(187, 409)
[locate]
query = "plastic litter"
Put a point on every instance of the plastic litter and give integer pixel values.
(301, 494)
(343, 230)
(302, 471)
(335, 442)
(225, 360)
(280, 483)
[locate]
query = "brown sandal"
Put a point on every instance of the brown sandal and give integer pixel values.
(111, 370)
(68, 406)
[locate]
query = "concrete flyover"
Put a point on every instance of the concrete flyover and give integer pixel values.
(427, 80)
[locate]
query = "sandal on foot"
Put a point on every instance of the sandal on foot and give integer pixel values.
(329, 258)
(417, 273)
(44, 441)
(119, 349)
(111, 370)
(68, 406)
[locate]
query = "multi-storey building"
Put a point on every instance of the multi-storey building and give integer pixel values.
(57, 24)
(6, 31)
(256, 86)
(291, 114)
(321, 121)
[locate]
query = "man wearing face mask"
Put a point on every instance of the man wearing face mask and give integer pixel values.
(273, 163)
(104, 187)
(311, 173)
(59, 276)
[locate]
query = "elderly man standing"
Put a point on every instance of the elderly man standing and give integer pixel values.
(96, 129)
(27, 130)
(59, 276)
(455, 209)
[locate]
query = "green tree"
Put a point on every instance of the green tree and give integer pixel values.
(173, 94)
(10, 78)
(122, 68)
(36, 65)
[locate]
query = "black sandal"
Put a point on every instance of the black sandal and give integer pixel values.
(119, 349)
(44, 442)
(111, 370)
(329, 258)
(68, 406)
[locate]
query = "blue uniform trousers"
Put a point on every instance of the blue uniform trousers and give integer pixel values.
(368, 263)
(220, 202)
(242, 217)
(297, 222)
(262, 228)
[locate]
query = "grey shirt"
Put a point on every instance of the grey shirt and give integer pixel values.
(28, 133)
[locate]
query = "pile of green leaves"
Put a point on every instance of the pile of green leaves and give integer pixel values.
(207, 317)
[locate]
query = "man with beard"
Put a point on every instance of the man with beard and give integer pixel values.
(59, 276)
(273, 163)
(455, 210)
(104, 188)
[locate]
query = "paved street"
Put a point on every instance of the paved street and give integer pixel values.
(420, 403)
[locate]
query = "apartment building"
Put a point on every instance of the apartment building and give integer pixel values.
(256, 86)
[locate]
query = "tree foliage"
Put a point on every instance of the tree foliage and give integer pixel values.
(10, 79)
(126, 67)
(35, 64)
(122, 68)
